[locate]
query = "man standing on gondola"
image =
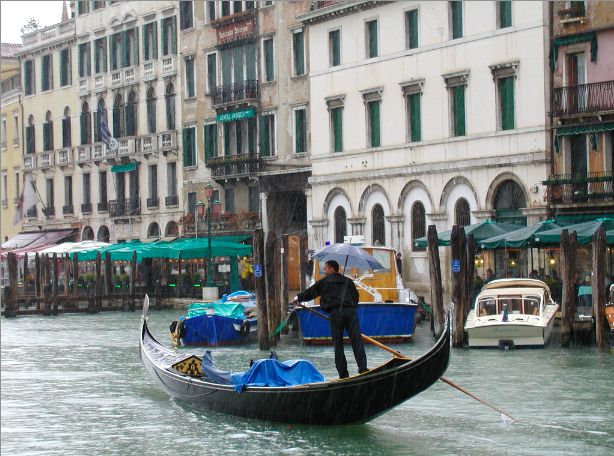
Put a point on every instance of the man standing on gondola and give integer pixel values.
(339, 297)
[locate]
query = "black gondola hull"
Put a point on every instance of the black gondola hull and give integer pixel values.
(355, 400)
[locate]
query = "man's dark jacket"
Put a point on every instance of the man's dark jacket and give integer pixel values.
(335, 290)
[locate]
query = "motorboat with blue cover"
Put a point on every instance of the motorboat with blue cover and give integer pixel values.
(291, 392)
(229, 321)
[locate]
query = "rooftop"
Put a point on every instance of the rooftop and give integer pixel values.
(9, 50)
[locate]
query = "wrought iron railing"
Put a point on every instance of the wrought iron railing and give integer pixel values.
(171, 201)
(103, 206)
(583, 99)
(125, 207)
(68, 210)
(580, 188)
(237, 91)
(233, 165)
(86, 208)
(153, 202)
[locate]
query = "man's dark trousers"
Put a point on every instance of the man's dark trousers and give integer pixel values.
(346, 318)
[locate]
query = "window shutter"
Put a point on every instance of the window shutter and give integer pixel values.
(459, 110)
(505, 14)
(414, 113)
(135, 47)
(457, 19)
(104, 54)
(211, 71)
(145, 43)
(507, 103)
(164, 39)
(188, 146)
(113, 51)
(96, 57)
(129, 115)
(372, 39)
(30, 139)
(174, 35)
(66, 132)
(80, 61)
(189, 64)
(250, 62)
(83, 129)
(170, 112)
(268, 49)
(238, 64)
(265, 147)
(299, 54)
(251, 135)
(26, 77)
(44, 76)
(239, 136)
(226, 66)
(336, 46)
(209, 151)
(226, 138)
(154, 45)
(338, 128)
(375, 127)
(413, 29)
(88, 64)
(300, 133)
(124, 49)
(96, 127)
(152, 115)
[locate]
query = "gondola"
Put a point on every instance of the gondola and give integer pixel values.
(353, 400)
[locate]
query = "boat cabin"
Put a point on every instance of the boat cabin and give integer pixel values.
(519, 296)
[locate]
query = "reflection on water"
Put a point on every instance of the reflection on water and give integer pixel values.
(74, 384)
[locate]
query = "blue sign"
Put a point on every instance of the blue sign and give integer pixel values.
(455, 265)
(257, 270)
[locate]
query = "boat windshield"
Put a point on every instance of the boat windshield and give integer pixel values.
(492, 306)
(486, 307)
(383, 256)
(531, 305)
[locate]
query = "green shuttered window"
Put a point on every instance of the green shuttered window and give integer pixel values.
(299, 53)
(268, 59)
(189, 146)
(211, 71)
(28, 72)
(334, 39)
(300, 122)
(412, 29)
(189, 78)
(267, 136)
(337, 120)
(374, 124)
(414, 117)
(372, 39)
(210, 132)
(506, 94)
(458, 110)
(457, 19)
(505, 14)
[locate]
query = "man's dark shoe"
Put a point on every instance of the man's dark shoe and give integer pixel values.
(363, 370)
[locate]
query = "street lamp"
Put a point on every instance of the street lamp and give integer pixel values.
(199, 212)
(216, 209)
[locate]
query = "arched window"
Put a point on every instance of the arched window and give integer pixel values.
(170, 107)
(462, 214)
(154, 230)
(118, 117)
(66, 128)
(97, 120)
(418, 224)
(172, 229)
(509, 201)
(103, 234)
(151, 110)
(30, 143)
(86, 124)
(340, 224)
(87, 234)
(48, 132)
(131, 114)
(378, 227)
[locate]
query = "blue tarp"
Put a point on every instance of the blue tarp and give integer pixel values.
(271, 372)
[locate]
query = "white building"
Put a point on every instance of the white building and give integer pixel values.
(426, 113)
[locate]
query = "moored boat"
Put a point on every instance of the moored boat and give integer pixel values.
(512, 313)
(609, 312)
(353, 400)
(386, 309)
(229, 321)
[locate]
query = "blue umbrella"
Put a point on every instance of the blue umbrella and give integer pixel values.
(347, 255)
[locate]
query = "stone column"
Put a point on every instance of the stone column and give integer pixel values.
(320, 233)
(264, 196)
(397, 223)
(535, 215)
(439, 220)
(358, 225)
(482, 216)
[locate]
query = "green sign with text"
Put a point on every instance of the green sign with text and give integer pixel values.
(235, 115)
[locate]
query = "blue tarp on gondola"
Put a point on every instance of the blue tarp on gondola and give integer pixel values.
(271, 372)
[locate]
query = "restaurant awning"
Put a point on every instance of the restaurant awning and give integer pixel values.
(480, 231)
(34, 238)
(584, 231)
(519, 238)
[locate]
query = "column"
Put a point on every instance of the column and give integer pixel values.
(263, 211)
(397, 223)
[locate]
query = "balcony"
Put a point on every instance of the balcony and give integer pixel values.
(128, 207)
(127, 146)
(149, 70)
(5, 203)
(29, 162)
(149, 143)
(235, 92)
(167, 141)
(83, 85)
(48, 34)
(32, 213)
(153, 202)
(68, 210)
(583, 99)
(65, 157)
(86, 208)
(46, 160)
(83, 154)
(116, 79)
(103, 207)
(49, 211)
(171, 201)
(234, 165)
(168, 66)
(130, 75)
(580, 188)
(99, 83)
(245, 221)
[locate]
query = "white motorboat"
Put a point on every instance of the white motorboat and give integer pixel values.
(512, 313)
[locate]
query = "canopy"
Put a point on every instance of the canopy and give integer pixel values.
(70, 247)
(519, 238)
(31, 239)
(584, 231)
(480, 231)
(20, 253)
(609, 235)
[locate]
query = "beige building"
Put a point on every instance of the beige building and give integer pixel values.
(12, 139)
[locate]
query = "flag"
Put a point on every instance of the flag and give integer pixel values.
(104, 129)
(27, 199)
(505, 315)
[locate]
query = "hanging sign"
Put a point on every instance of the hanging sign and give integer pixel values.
(235, 31)
(456, 265)
(235, 115)
(257, 270)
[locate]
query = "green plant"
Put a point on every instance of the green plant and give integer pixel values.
(115, 279)
(185, 278)
(124, 278)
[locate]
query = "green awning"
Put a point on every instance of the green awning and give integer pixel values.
(235, 239)
(235, 115)
(560, 41)
(584, 129)
(519, 238)
(123, 168)
(480, 231)
(584, 231)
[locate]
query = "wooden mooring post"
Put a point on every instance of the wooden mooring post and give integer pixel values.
(602, 328)
(568, 304)
(469, 270)
(272, 254)
(438, 319)
(38, 284)
(10, 294)
(54, 290)
(260, 282)
(458, 245)
(285, 280)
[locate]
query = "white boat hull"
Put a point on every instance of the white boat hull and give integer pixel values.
(525, 332)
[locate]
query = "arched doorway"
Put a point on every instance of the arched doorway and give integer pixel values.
(87, 234)
(103, 234)
(340, 224)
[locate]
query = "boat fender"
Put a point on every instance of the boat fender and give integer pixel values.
(244, 329)
(173, 326)
(180, 330)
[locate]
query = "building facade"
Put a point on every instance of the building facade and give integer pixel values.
(582, 108)
(12, 139)
(426, 113)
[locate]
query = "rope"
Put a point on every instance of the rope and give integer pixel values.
(424, 305)
(280, 327)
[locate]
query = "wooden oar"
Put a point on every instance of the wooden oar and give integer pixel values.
(396, 353)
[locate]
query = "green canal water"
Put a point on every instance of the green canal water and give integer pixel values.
(74, 385)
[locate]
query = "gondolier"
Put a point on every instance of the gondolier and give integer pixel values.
(339, 298)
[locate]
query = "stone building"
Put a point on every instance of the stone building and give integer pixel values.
(426, 113)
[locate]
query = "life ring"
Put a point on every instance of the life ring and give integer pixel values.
(244, 329)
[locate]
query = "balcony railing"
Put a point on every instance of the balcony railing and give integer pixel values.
(168, 140)
(126, 146)
(83, 154)
(237, 91)
(65, 157)
(49, 211)
(124, 208)
(103, 206)
(68, 210)
(129, 76)
(583, 99)
(153, 202)
(29, 162)
(168, 65)
(580, 188)
(234, 165)
(99, 82)
(171, 201)
(149, 143)
(149, 70)
(45, 160)
(116, 79)
(83, 85)
(229, 222)
(86, 208)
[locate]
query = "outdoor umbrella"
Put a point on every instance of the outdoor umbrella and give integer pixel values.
(348, 256)
(518, 238)
(609, 237)
(480, 231)
(584, 231)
